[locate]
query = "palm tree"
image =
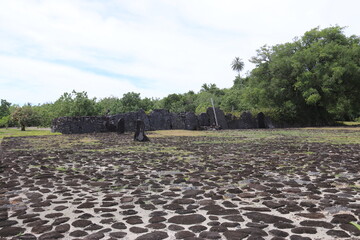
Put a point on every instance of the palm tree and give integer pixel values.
(237, 65)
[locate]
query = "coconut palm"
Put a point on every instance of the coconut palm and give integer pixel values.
(237, 65)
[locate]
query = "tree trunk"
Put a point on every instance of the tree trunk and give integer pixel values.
(22, 127)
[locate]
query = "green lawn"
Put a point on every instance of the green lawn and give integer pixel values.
(16, 132)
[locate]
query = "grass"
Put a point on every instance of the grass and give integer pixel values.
(356, 225)
(176, 133)
(16, 132)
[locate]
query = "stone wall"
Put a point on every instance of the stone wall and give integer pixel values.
(158, 119)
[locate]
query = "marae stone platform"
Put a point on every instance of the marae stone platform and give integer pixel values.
(106, 186)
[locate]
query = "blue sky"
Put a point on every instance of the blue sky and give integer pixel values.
(153, 47)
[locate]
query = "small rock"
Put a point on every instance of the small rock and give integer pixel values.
(157, 235)
(118, 234)
(187, 219)
(337, 233)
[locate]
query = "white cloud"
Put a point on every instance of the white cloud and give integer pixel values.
(153, 47)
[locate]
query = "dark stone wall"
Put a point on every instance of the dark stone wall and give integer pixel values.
(158, 119)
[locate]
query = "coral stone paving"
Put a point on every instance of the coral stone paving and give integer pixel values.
(250, 184)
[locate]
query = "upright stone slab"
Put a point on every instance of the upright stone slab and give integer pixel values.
(220, 117)
(261, 120)
(140, 132)
(203, 119)
(160, 119)
(191, 121)
(177, 121)
(247, 121)
(120, 126)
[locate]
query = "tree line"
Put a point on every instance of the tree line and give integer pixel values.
(315, 79)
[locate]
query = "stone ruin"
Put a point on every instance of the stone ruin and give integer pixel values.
(159, 119)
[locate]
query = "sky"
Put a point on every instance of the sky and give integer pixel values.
(152, 47)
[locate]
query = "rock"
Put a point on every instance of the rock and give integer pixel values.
(266, 218)
(41, 229)
(7, 223)
(93, 227)
(273, 204)
(297, 237)
(140, 132)
(156, 225)
(26, 236)
(337, 233)
(187, 219)
(118, 234)
(235, 235)
(11, 231)
(223, 212)
(278, 233)
(184, 234)
(157, 235)
(157, 219)
(133, 220)
(78, 233)
(51, 236)
(350, 228)
(138, 230)
(81, 223)
(261, 123)
(197, 228)
(95, 236)
(302, 230)
(234, 218)
(59, 221)
(310, 223)
(343, 218)
(254, 231)
(86, 205)
(160, 119)
(210, 235)
(119, 225)
(62, 228)
(220, 117)
(203, 119)
(191, 121)
(311, 215)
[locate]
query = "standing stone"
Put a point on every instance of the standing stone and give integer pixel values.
(140, 132)
(247, 121)
(160, 119)
(203, 119)
(191, 122)
(261, 120)
(177, 121)
(120, 126)
(220, 117)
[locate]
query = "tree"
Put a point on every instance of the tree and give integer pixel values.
(314, 79)
(237, 65)
(4, 108)
(131, 102)
(75, 104)
(25, 116)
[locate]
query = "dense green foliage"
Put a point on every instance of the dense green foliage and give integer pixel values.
(315, 79)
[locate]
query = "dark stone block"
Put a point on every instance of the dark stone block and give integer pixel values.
(203, 119)
(191, 121)
(140, 132)
(261, 120)
(160, 119)
(177, 121)
(220, 117)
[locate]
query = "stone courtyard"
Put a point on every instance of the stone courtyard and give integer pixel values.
(250, 184)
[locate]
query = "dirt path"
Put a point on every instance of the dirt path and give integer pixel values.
(225, 186)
